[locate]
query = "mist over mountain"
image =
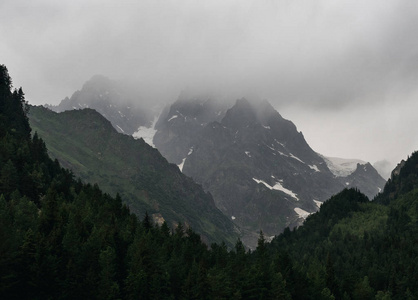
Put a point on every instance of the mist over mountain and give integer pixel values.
(64, 239)
(120, 103)
(259, 168)
(384, 168)
(188, 115)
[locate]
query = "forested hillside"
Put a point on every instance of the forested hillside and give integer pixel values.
(86, 143)
(62, 239)
(358, 249)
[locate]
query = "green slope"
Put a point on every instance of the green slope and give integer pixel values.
(86, 143)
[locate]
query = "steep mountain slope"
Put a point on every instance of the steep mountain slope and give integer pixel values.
(362, 249)
(85, 142)
(117, 103)
(258, 167)
(176, 134)
(246, 156)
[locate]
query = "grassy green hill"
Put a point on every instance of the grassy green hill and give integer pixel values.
(86, 143)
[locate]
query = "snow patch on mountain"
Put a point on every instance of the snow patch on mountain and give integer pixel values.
(302, 213)
(297, 158)
(278, 187)
(182, 164)
(173, 117)
(342, 167)
(121, 130)
(314, 167)
(318, 203)
(281, 153)
(147, 133)
(184, 160)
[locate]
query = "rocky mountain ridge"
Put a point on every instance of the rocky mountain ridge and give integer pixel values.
(259, 168)
(112, 100)
(256, 164)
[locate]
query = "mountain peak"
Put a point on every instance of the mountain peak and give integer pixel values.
(240, 115)
(98, 83)
(266, 112)
(112, 100)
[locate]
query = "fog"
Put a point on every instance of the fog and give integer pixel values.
(344, 72)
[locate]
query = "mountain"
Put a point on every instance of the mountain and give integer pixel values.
(258, 167)
(85, 142)
(361, 249)
(63, 239)
(342, 167)
(119, 104)
(180, 124)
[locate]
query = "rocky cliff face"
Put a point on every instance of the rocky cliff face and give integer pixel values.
(181, 123)
(258, 167)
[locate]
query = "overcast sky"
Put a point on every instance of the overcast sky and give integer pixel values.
(345, 72)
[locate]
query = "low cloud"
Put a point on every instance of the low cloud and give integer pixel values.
(325, 58)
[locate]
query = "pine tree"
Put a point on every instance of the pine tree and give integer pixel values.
(9, 180)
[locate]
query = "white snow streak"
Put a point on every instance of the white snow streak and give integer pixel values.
(318, 203)
(173, 117)
(314, 167)
(271, 148)
(281, 144)
(302, 213)
(278, 187)
(184, 159)
(297, 158)
(120, 128)
(182, 164)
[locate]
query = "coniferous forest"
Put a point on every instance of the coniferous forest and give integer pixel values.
(61, 238)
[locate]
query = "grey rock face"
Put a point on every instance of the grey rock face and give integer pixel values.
(258, 167)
